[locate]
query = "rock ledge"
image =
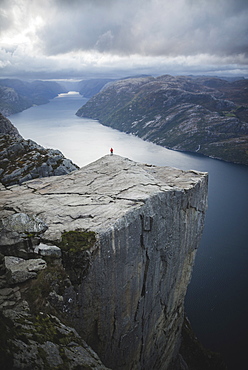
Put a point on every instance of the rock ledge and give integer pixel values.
(128, 234)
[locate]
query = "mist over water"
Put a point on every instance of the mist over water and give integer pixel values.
(217, 298)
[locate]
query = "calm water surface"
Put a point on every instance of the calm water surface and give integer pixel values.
(217, 298)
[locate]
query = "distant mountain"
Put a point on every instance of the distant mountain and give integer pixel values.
(91, 87)
(17, 95)
(22, 160)
(201, 114)
(11, 102)
(88, 88)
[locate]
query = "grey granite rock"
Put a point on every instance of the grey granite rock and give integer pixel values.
(35, 339)
(19, 227)
(32, 348)
(6, 127)
(48, 250)
(23, 223)
(128, 300)
(23, 160)
(22, 270)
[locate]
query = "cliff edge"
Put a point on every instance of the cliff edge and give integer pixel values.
(114, 243)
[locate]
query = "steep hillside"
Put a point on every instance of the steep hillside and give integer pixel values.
(204, 115)
(88, 88)
(22, 160)
(17, 95)
(11, 102)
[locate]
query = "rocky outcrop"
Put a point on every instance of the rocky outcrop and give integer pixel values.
(7, 128)
(22, 160)
(203, 115)
(128, 235)
(35, 340)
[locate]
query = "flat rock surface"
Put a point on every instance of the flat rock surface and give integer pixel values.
(95, 196)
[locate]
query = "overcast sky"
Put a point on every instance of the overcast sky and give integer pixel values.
(87, 38)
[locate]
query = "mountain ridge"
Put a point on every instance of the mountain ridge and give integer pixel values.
(17, 95)
(204, 115)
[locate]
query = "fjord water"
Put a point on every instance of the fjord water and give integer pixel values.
(217, 298)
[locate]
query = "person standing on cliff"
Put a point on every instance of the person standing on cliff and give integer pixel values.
(111, 151)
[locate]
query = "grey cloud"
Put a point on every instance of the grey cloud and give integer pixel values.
(6, 21)
(154, 27)
(154, 30)
(148, 28)
(89, 26)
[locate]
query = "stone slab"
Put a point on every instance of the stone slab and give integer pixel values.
(95, 196)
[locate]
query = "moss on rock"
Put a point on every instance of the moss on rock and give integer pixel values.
(53, 278)
(76, 241)
(76, 254)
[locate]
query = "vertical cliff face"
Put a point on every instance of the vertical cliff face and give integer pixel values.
(132, 300)
(128, 234)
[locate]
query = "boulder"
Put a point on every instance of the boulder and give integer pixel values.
(21, 270)
(23, 223)
(19, 227)
(48, 250)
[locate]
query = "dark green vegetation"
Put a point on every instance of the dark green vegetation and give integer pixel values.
(53, 279)
(48, 343)
(76, 247)
(77, 241)
(204, 115)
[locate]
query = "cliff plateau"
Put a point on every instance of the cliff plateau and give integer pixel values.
(196, 114)
(108, 250)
